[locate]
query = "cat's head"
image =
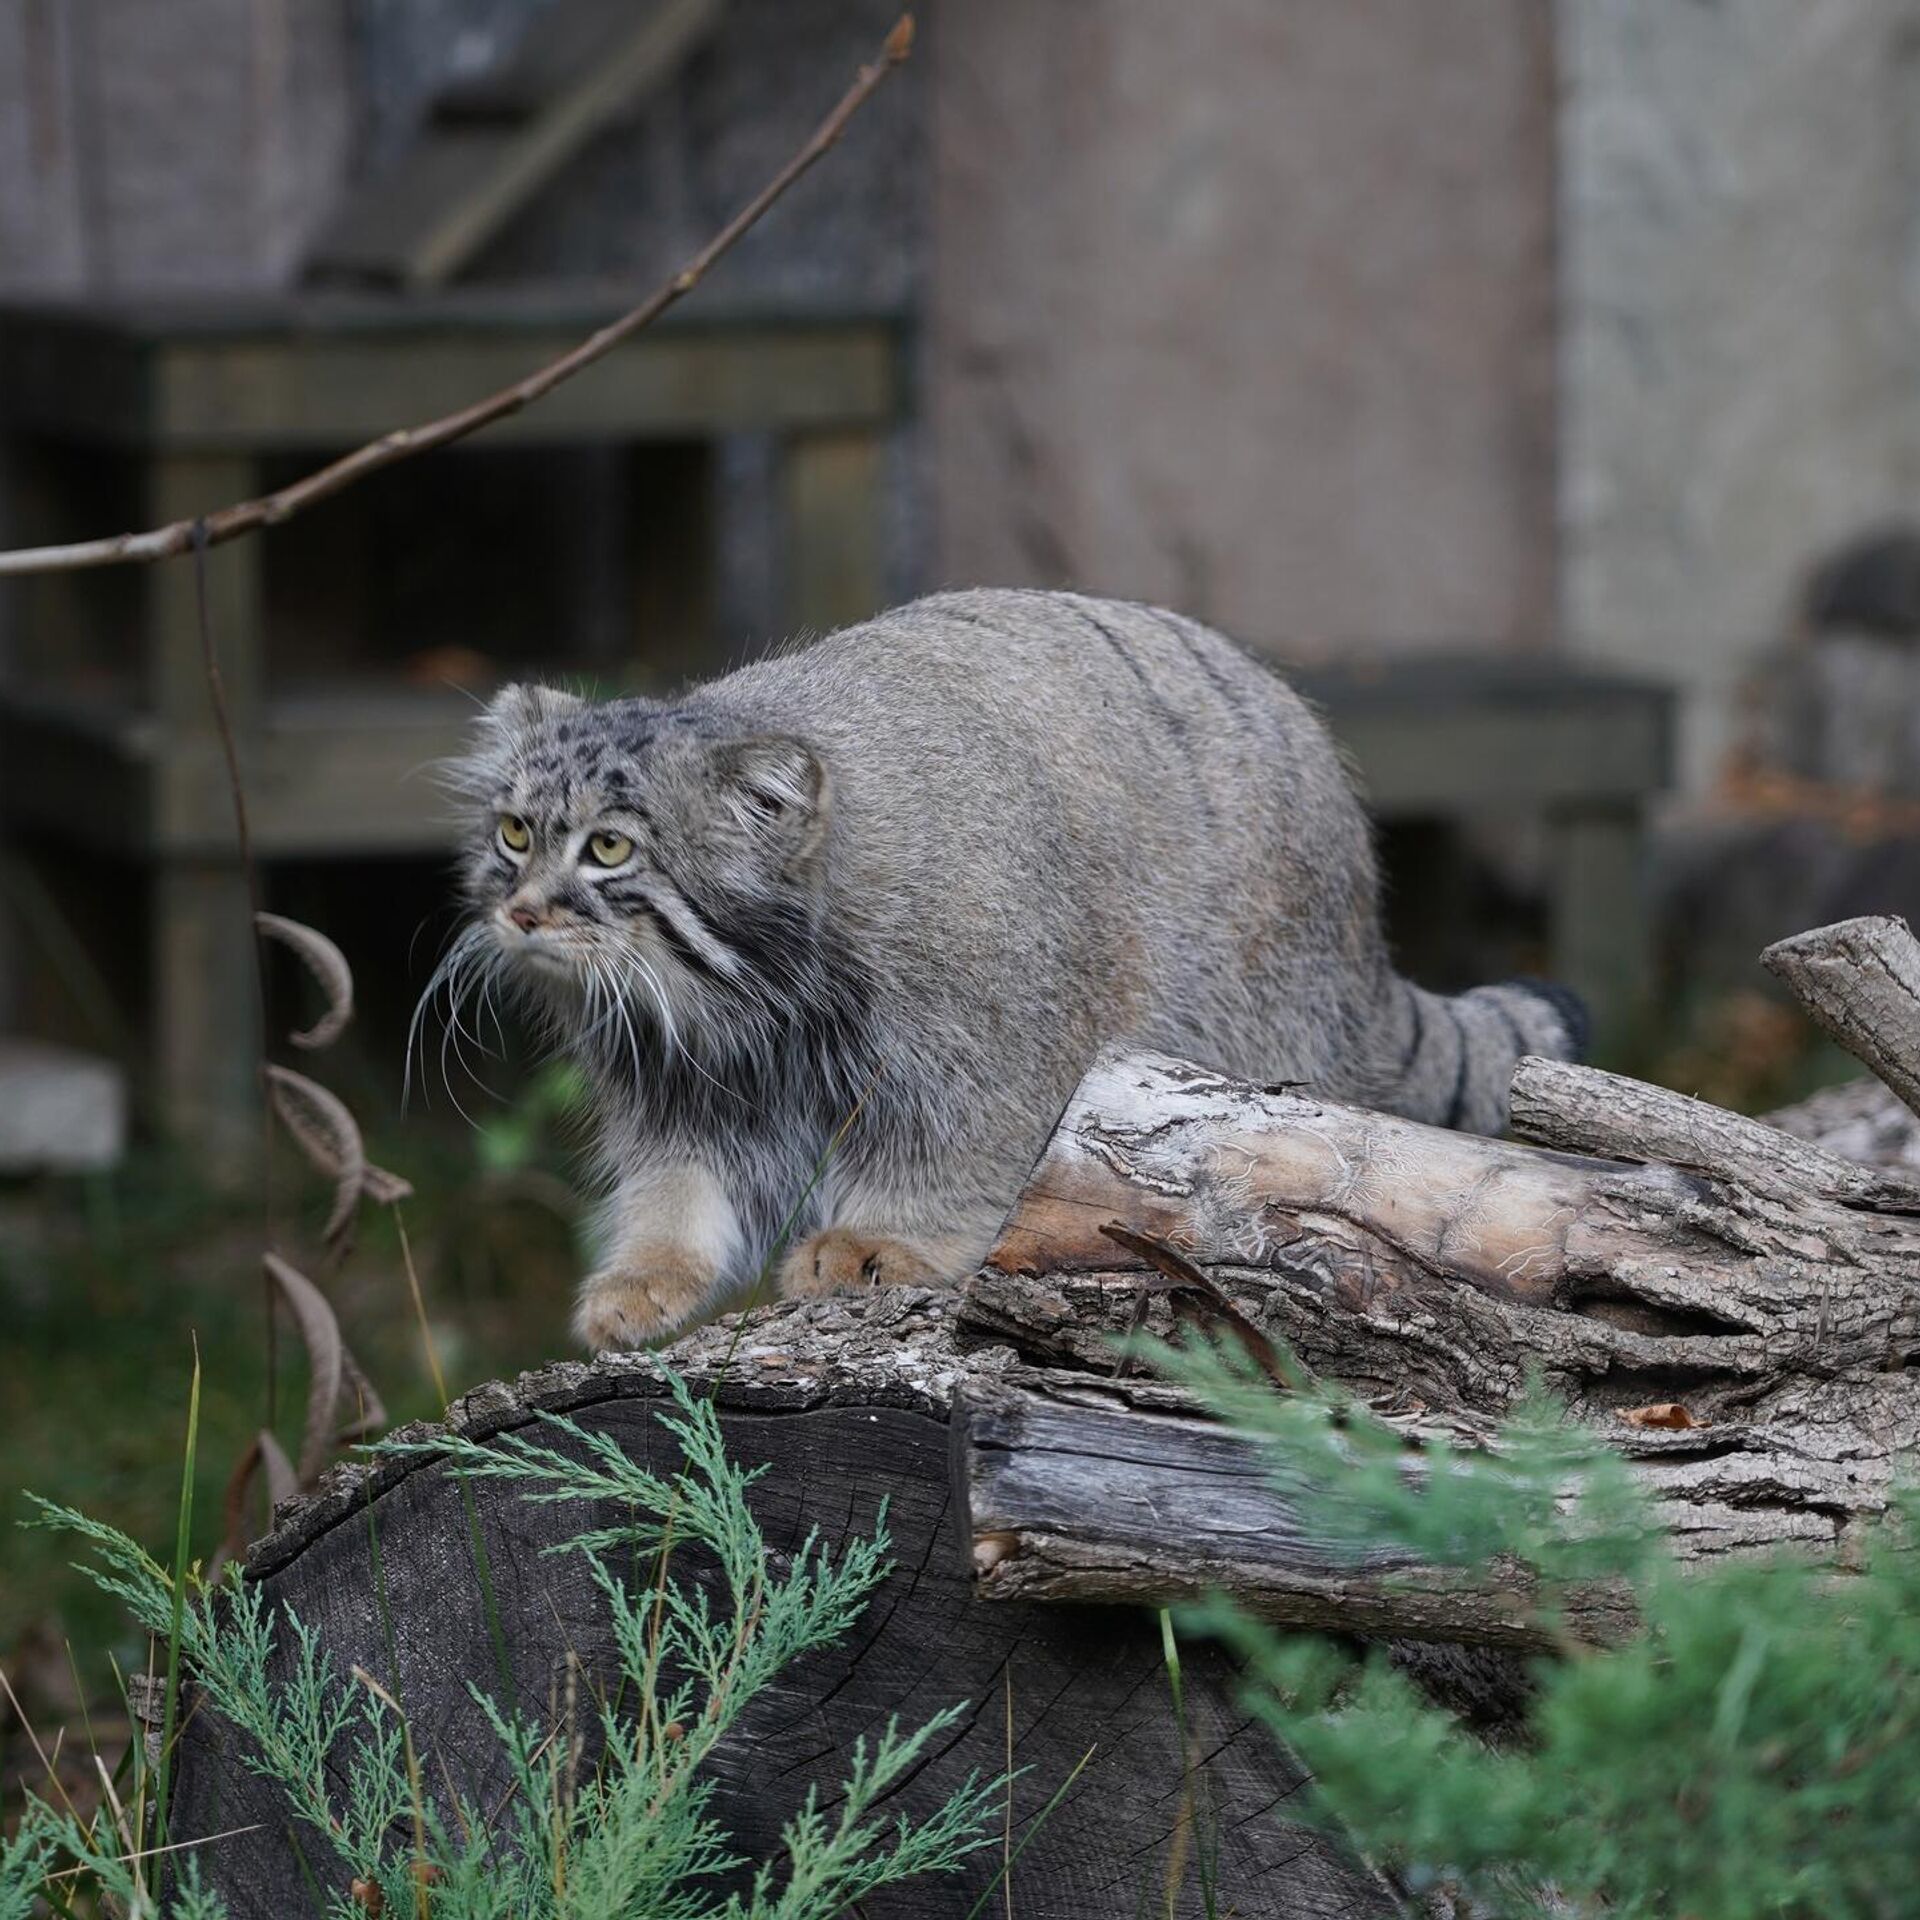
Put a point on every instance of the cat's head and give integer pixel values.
(645, 846)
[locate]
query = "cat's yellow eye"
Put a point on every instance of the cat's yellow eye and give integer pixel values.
(515, 835)
(610, 849)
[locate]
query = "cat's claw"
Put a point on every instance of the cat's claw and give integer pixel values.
(845, 1260)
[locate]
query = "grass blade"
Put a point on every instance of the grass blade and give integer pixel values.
(182, 1545)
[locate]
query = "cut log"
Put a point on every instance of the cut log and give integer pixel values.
(1650, 1249)
(846, 1405)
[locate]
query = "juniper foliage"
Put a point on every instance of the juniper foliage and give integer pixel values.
(1752, 1749)
(631, 1837)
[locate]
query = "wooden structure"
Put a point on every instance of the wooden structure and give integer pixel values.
(179, 410)
(1757, 1282)
(847, 1404)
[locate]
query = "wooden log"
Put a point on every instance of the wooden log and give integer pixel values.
(1584, 1110)
(846, 1405)
(1437, 1271)
(1076, 1489)
(1860, 980)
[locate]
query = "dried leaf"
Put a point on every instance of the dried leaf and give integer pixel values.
(384, 1188)
(366, 1411)
(327, 964)
(327, 1134)
(326, 1360)
(1664, 1413)
(262, 1451)
(1194, 1296)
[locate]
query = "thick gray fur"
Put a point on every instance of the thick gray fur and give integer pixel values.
(925, 868)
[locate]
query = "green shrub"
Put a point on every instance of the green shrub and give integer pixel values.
(1752, 1749)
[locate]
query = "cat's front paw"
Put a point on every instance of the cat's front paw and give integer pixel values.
(845, 1260)
(643, 1299)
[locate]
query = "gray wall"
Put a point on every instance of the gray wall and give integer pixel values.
(1742, 345)
(166, 144)
(1248, 306)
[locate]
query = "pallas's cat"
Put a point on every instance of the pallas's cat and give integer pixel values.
(835, 936)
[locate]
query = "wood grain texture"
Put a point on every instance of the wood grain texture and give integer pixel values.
(1075, 1490)
(845, 1402)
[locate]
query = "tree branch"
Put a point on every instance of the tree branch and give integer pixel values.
(249, 516)
(1860, 982)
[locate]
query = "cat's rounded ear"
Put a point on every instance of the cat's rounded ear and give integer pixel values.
(522, 703)
(776, 787)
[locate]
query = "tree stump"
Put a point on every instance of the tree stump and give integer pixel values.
(848, 1403)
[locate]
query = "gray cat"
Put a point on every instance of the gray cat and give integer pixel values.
(835, 936)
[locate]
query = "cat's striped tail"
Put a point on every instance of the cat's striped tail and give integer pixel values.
(1453, 1056)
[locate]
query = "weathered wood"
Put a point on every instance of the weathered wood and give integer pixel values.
(846, 1404)
(1584, 1110)
(1860, 980)
(1076, 1488)
(1437, 1270)
(1862, 1120)
(834, 546)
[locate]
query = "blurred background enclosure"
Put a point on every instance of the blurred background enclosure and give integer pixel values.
(1503, 335)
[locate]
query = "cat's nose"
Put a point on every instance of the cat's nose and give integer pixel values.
(524, 918)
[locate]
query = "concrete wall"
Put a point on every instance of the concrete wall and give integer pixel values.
(166, 144)
(1740, 191)
(1247, 306)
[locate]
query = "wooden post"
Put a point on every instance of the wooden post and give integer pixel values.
(834, 545)
(203, 1013)
(1601, 931)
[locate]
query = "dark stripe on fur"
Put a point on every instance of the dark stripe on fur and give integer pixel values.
(1459, 1101)
(1139, 672)
(1568, 1008)
(682, 948)
(1521, 1044)
(1419, 1036)
(1196, 653)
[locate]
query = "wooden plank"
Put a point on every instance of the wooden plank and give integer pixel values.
(323, 391)
(844, 1403)
(86, 778)
(318, 375)
(203, 1019)
(479, 159)
(1600, 923)
(180, 485)
(1495, 758)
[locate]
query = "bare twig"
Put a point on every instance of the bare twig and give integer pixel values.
(223, 723)
(249, 516)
